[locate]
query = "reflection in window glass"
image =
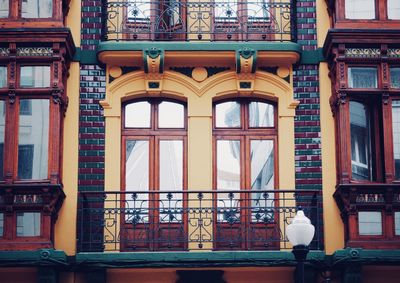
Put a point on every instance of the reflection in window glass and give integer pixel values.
(227, 115)
(3, 76)
(226, 10)
(363, 77)
(33, 141)
(2, 131)
(4, 8)
(360, 141)
(228, 164)
(396, 136)
(28, 224)
(37, 8)
(369, 223)
(137, 178)
(137, 115)
(170, 115)
(171, 179)
(397, 223)
(261, 114)
(393, 7)
(262, 176)
(35, 76)
(1, 224)
(139, 10)
(257, 10)
(395, 77)
(360, 9)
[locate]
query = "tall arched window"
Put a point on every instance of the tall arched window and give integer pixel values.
(245, 139)
(154, 172)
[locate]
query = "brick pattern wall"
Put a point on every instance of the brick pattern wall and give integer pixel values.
(306, 90)
(90, 24)
(91, 128)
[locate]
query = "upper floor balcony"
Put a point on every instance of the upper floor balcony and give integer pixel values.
(188, 20)
(193, 220)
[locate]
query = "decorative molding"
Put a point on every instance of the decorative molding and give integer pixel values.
(34, 51)
(362, 52)
(393, 52)
(4, 52)
(153, 61)
(246, 61)
(28, 199)
(370, 198)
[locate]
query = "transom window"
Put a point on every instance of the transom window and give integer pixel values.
(363, 77)
(370, 223)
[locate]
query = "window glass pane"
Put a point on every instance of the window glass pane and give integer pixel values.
(228, 164)
(137, 180)
(360, 141)
(139, 10)
(2, 131)
(227, 115)
(262, 178)
(395, 77)
(4, 8)
(257, 10)
(394, 9)
(137, 115)
(35, 76)
(170, 115)
(396, 136)
(1, 224)
(226, 10)
(33, 140)
(3, 76)
(360, 9)
(397, 223)
(171, 179)
(28, 224)
(363, 77)
(37, 8)
(261, 114)
(369, 223)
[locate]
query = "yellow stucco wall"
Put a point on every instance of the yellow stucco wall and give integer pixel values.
(334, 231)
(65, 228)
(323, 22)
(72, 22)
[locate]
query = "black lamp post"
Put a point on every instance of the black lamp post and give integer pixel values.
(300, 234)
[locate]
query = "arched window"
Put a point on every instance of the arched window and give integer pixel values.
(245, 139)
(154, 170)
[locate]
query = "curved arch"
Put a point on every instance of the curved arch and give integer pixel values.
(179, 86)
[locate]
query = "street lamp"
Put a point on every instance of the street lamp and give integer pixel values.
(300, 234)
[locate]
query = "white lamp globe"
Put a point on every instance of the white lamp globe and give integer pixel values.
(300, 231)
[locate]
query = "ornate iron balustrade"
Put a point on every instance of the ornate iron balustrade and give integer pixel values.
(193, 220)
(217, 20)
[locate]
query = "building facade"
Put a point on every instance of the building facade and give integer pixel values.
(174, 141)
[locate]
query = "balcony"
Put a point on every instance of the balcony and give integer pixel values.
(219, 20)
(193, 220)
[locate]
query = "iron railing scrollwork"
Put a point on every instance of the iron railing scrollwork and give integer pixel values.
(220, 20)
(190, 220)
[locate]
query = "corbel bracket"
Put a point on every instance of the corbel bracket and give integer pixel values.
(153, 59)
(245, 69)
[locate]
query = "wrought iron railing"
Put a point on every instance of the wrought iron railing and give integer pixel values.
(193, 220)
(217, 20)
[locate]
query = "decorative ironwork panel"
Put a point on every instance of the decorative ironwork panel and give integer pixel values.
(34, 51)
(393, 52)
(182, 20)
(183, 220)
(363, 52)
(4, 51)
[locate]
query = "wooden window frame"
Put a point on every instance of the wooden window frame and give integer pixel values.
(245, 134)
(154, 134)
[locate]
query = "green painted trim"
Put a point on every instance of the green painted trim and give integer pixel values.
(192, 259)
(312, 57)
(368, 257)
(85, 56)
(47, 257)
(198, 46)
